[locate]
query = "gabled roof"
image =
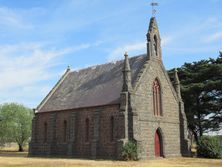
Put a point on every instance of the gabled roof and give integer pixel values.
(93, 86)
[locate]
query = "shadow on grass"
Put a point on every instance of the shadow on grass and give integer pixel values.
(16, 154)
(6, 153)
(73, 158)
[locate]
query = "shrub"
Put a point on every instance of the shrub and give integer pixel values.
(129, 151)
(210, 147)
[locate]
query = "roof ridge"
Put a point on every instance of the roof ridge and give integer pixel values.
(111, 62)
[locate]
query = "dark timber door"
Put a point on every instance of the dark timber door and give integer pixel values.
(157, 144)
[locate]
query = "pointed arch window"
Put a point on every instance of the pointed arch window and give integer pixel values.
(87, 130)
(157, 99)
(112, 128)
(65, 131)
(45, 132)
(156, 45)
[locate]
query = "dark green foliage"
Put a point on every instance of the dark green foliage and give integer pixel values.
(129, 151)
(210, 147)
(201, 88)
(15, 124)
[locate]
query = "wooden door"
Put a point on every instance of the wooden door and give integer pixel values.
(157, 144)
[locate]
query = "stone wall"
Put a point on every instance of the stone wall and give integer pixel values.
(100, 143)
(145, 123)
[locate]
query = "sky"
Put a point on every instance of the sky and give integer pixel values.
(40, 38)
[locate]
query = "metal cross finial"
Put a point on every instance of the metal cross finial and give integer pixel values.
(153, 4)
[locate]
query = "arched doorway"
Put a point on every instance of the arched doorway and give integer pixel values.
(158, 144)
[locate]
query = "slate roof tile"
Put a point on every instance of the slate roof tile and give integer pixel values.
(92, 86)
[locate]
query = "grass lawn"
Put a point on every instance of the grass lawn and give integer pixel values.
(12, 158)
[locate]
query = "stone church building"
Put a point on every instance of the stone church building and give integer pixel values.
(92, 112)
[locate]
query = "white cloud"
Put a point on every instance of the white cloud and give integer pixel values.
(11, 18)
(26, 69)
(130, 48)
(23, 64)
(194, 38)
(166, 40)
(135, 48)
(213, 37)
(191, 50)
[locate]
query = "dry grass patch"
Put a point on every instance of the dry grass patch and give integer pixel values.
(12, 147)
(8, 159)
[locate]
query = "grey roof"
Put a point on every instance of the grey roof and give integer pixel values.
(93, 86)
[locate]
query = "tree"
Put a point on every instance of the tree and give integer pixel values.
(15, 124)
(201, 86)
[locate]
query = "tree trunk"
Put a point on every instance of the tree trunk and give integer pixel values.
(199, 119)
(196, 137)
(194, 134)
(20, 148)
(199, 125)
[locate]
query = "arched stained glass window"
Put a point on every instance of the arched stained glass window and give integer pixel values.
(157, 99)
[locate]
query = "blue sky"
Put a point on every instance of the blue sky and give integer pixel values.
(40, 38)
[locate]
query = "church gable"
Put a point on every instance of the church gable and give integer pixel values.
(154, 66)
(156, 103)
(145, 86)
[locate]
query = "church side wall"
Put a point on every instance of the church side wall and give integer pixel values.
(99, 143)
(146, 124)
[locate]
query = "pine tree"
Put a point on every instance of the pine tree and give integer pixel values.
(201, 84)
